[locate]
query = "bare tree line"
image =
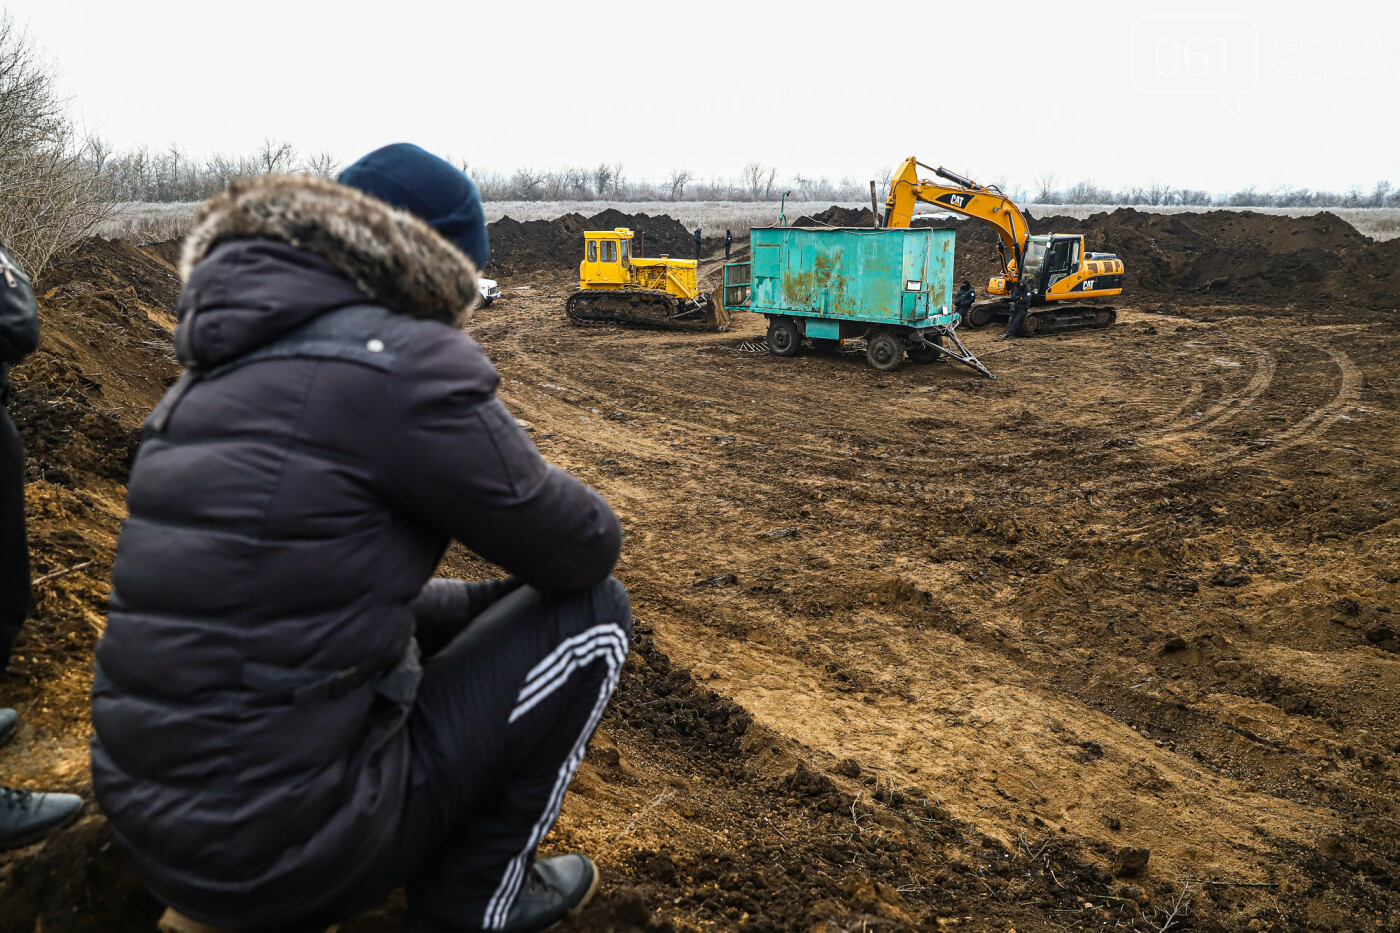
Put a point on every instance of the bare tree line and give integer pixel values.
(1160, 194)
(171, 175)
(609, 181)
(143, 174)
(50, 176)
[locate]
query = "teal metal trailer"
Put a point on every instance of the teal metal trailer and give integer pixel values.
(892, 288)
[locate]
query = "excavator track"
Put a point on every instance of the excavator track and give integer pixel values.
(640, 307)
(1045, 319)
(1058, 320)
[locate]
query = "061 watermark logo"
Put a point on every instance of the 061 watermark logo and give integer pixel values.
(1216, 56)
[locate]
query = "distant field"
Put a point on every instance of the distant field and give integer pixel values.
(143, 222)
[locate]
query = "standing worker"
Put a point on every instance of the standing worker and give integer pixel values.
(697, 246)
(293, 718)
(1020, 307)
(962, 301)
(25, 817)
(728, 241)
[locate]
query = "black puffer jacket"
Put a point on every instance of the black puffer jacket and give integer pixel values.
(293, 494)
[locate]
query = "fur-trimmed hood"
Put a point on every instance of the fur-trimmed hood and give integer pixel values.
(392, 257)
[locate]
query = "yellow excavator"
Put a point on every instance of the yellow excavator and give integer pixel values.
(1056, 271)
(616, 287)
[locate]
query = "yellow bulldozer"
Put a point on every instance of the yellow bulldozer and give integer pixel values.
(616, 287)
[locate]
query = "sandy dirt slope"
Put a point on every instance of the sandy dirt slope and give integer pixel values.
(916, 650)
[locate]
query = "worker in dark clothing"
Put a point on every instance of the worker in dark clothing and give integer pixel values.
(728, 242)
(697, 245)
(25, 817)
(292, 717)
(963, 299)
(1020, 307)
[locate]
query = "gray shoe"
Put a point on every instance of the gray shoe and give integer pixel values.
(555, 888)
(9, 722)
(26, 817)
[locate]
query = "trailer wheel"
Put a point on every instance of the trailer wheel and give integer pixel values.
(884, 351)
(918, 353)
(784, 339)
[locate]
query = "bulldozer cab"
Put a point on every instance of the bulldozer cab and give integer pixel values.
(606, 257)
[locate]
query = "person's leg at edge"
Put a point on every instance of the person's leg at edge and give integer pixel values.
(14, 550)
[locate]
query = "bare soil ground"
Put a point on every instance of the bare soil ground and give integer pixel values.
(914, 650)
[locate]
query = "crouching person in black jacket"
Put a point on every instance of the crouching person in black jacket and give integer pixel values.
(292, 719)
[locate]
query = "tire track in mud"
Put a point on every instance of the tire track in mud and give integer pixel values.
(1321, 419)
(1231, 405)
(1314, 423)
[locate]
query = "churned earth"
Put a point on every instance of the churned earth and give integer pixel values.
(1109, 642)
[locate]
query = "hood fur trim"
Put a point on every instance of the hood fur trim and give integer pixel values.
(393, 257)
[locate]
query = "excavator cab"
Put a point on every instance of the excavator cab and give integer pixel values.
(1049, 259)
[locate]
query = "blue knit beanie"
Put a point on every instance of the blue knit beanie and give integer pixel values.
(432, 189)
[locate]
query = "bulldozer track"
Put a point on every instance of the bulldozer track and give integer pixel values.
(640, 308)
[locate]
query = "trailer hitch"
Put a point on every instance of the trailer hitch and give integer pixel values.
(962, 355)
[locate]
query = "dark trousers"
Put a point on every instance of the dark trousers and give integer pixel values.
(726, 251)
(14, 546)
(1018, 317)
(514, 684)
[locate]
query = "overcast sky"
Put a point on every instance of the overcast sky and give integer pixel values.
(1228, 95)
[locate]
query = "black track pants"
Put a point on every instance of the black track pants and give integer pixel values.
(1018, 317)
(513, 686)
(14, 549)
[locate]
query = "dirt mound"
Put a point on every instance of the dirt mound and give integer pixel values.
(549, 245)
(836, 216)
(1309, 261)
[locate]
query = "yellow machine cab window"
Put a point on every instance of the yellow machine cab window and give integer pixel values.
(592, 250)
(609, 251)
